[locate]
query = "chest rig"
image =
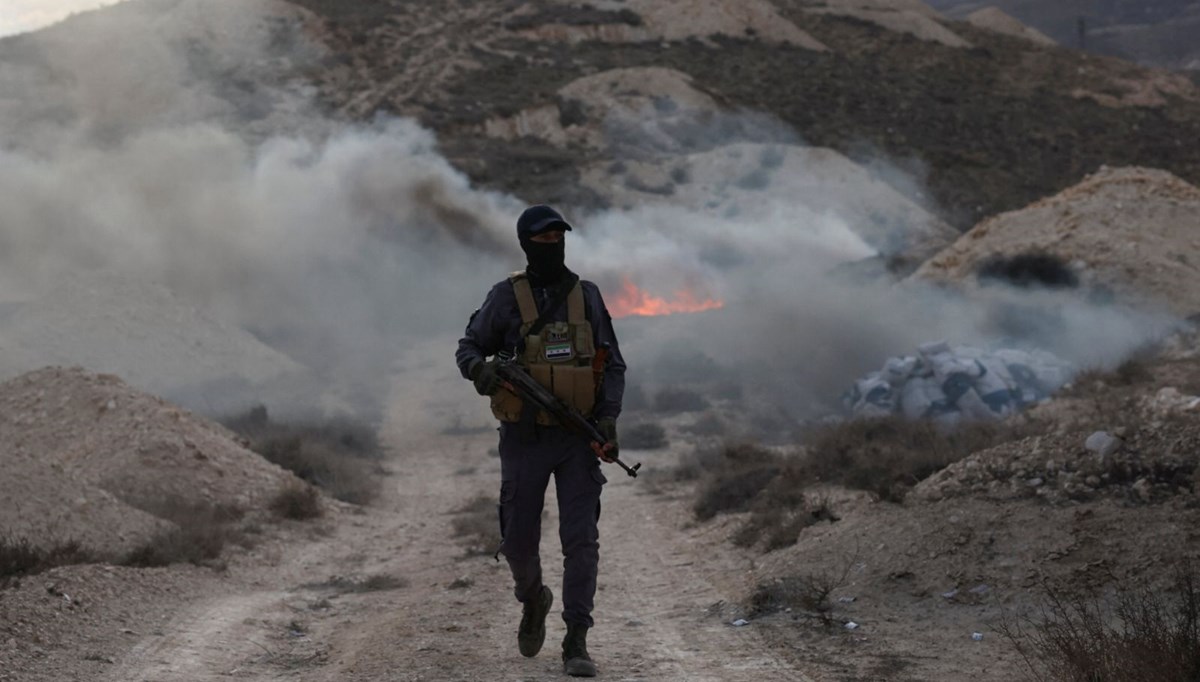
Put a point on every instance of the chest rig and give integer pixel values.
(559, 356)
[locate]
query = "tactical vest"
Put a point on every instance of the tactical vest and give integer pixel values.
(559, 357)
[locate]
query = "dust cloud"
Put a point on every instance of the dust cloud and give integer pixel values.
(202, 165)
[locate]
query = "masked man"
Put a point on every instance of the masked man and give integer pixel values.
(554, 323)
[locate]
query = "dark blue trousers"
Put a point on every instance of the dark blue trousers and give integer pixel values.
(525, 469)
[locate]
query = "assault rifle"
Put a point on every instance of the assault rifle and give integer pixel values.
(527, 388)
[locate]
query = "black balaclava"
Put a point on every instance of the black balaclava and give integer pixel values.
(545, 262)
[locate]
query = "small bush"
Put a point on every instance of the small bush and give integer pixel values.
(297, 501)
(891, 455)
(643, 436)
(808, 594)
(198, 537)
(335, 455)
(1142, 635)
(781, 525)
(733, 492)
(884, 456)
(20, 557)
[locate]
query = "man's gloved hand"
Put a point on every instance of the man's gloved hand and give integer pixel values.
(607, 428)
(485, 377)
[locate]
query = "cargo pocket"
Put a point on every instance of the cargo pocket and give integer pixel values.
(504, 511)
(600, 479)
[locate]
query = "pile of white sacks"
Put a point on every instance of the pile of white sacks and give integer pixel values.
(949, 385)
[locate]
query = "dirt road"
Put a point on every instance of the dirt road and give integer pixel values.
(311, 615)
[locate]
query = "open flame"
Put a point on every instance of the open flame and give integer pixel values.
(634, 301)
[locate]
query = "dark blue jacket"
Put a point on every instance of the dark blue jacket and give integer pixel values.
(496, 326)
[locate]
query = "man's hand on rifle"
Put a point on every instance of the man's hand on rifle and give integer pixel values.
(485, 378)
(607, 428)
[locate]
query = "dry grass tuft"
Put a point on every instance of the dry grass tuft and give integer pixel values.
(198, 537)
(338, 456)
(891, 455)
(1142, 635)
(298, 501)
(884, 456)
(19, 557)
(806, 594)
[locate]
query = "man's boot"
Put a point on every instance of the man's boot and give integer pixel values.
(533, 623)
(576, 661)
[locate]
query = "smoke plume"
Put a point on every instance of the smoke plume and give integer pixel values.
(193, 159)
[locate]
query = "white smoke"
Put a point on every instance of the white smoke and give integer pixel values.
(199, 165)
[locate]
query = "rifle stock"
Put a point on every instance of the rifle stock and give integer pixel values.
(527, 388)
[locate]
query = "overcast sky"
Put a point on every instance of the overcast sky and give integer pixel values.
(19, 16)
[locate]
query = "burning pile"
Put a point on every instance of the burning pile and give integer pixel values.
(949, 385)
(633, 301)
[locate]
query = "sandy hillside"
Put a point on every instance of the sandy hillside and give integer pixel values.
(1134, 231)
(80, 448)
(911, 17)
(994, 19)
(649, 20)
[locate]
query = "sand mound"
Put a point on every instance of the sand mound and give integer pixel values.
(94, 430)
(902, 16)
(1133, 231)
(736, 179)
(138, 330)
(47, 505)
(681, 20)
(993, 19)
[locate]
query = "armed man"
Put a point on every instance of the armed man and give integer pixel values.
(557, 326)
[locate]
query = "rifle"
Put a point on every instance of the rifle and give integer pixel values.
(524, 386)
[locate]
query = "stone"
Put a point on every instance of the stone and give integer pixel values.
(1102, 444)
(1143, 489)
(1092, 481)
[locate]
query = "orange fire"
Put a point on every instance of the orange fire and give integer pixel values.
(634, 301)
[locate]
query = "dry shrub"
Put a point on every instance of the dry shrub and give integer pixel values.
(339, 456)
(298, 501)
(199, 535)
(884, 456)
(20, 557)
(781, 525)
(731, 478)
(806, 594)
(477, 526)
(888, 456)
(1141, 635)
